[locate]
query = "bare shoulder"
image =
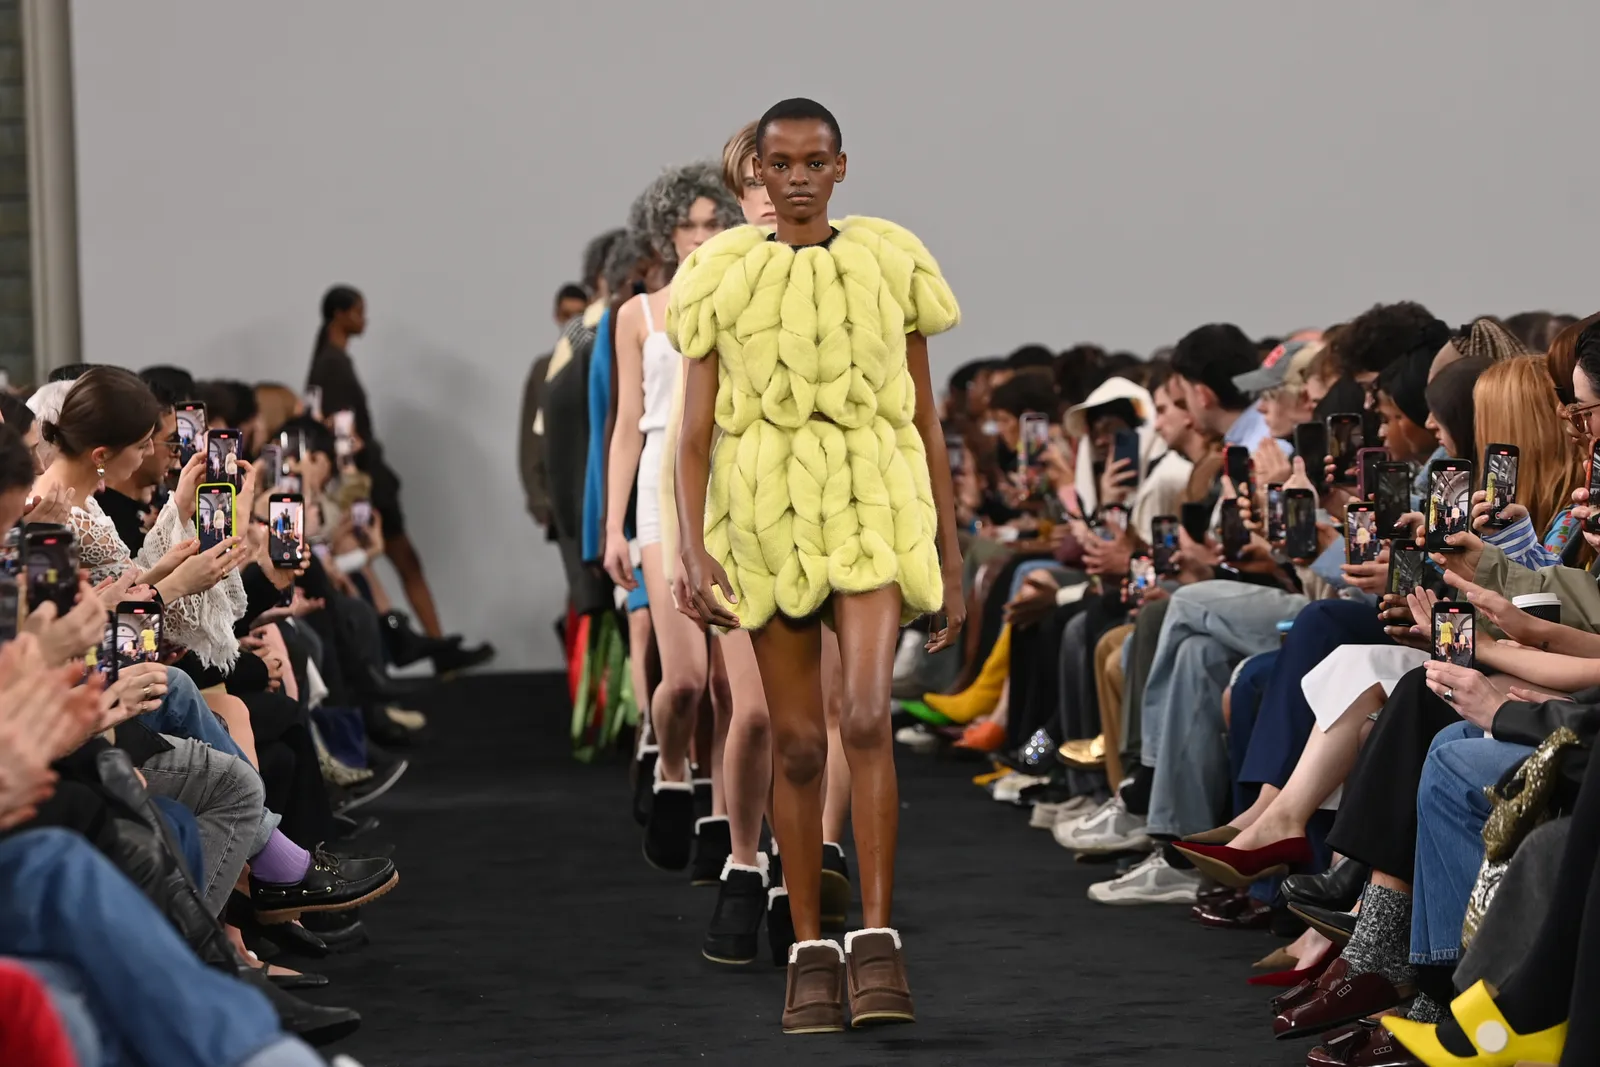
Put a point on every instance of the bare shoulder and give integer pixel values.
(630, 316)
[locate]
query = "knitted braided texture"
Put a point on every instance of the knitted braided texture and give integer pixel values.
(819, 481)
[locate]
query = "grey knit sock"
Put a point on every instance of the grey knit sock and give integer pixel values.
(1381, 943)
(1427, 1010)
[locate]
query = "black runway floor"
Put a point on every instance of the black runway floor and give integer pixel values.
(527, 928)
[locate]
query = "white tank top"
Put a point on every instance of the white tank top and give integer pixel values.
(661, 365)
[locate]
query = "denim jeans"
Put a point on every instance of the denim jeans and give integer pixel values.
(185, 829)
(226, 796)
(1451, 811)
(156, 1004)
(66, 996)
(1209, 627)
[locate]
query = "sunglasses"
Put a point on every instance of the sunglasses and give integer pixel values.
(1577, 418)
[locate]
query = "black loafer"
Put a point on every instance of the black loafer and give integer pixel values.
(303, 980)
(1337, 888)
(1336, 926)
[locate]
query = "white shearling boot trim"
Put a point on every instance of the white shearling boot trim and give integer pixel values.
(765, 863)
(698, 782)
(774, 893)
(794, 949)
(709, 818)
(853, 934)
(687, 785)
(732, 866)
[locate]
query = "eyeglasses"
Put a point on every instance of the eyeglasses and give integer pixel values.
(172, 444)
(1577, 418)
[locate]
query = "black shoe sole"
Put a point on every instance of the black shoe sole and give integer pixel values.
(274, 916)
(331, 1032)
(726, 958)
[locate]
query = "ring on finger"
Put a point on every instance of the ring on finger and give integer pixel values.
(1449, 695)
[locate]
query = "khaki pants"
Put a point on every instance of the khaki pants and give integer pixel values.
(1108, 686)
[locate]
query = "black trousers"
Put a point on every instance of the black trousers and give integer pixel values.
(1036, 676)
(1377, 820)
(289, 768)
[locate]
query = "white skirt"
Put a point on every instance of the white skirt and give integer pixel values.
(1350, 670)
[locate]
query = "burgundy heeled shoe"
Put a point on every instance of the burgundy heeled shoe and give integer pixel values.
(1239, 867)
(1295, 976)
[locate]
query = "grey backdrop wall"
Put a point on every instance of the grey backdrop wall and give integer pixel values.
(1107, 172)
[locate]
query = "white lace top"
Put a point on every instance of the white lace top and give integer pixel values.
(200, 622)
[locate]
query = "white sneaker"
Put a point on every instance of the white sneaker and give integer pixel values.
(918, 739)
(1151, 881)
(1008, 790)
(1045, 816)
(1110, 829)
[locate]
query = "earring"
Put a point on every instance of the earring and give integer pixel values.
(101, 471)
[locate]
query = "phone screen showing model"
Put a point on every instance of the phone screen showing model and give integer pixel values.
(1361, 540)
(102, 657)
(1344, 441)
(1277, 516)
(1034, 437)
(223, 461)
(1164, 544)
(1453, 633)
(1113, 519)
(1405, 569)
(1499, 481)
(1234, 534)
(1300, 524)
(1393, 498)
(191, 416)
(138, 633)
(286, 530)
(1449, 502)
(1141, 579)
(213, 515)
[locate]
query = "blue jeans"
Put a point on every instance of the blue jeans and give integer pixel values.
(1451, 811)
(185, 713)
(1248, 689)
(186, 828)
(156, 1004)
(1209, 627)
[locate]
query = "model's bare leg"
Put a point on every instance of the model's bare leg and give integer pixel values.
(789, 654)
(405, 559)
(836, 799)
(675, 702)
(641, 641)
(747, 753)
(868, 625)
(721, 715)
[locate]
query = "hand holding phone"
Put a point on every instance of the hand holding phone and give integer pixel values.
(1449, 502)
(1499, 482)
(1345, 440)
(1361, 540)
(1164, 545)
(286, 535)
(1454, 624)
(1300, 524)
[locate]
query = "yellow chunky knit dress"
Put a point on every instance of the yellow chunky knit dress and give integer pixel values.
(819, 480)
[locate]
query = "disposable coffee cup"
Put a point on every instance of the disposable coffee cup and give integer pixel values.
(1546, 606)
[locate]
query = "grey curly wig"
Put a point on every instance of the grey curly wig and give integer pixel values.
(597, 253)
(622, 255)
(666, 201)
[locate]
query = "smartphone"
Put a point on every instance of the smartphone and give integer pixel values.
(1405, 569)
(10, 607)
(1311, 445)
(956, 449)
(1196, 520)
(191, 415)
(1300, 524)
(1592, 523)
(1236, 467)
(11, 550)
(1368, 460)
(1449, 501)
(50, 555)
(271, 461)
(1345, 440)
(138, 632)
(1234, 534)
(215, 517)
(1361, 540)
(1453, 632)
(1114, 517)
(1499, 481)
(1164, 544)
(286, 525)
(223, 460)
(1125, 447)
(313, 399)
(1141, 579)
(1035, 436)
(1277, 518)
(1393, 497)
(344, 423)
(361, 514)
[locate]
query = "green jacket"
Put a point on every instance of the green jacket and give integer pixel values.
(1580, 596)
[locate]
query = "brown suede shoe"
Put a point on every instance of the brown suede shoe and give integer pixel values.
(814, 1002)
(877, 974)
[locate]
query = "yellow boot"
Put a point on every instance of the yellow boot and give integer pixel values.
(983, 695)
(1498, 1045)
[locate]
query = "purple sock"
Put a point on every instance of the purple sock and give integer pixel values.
(282, 862)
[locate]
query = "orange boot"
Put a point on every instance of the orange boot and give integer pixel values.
(983, 695)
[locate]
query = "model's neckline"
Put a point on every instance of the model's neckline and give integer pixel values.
(833, 231)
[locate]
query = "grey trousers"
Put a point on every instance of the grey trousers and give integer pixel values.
(1141, 655)
(227, 797)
